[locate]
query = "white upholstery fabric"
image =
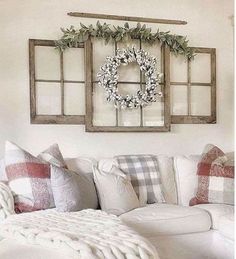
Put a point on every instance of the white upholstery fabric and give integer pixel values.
(216, 211)
(167, 219)
(3, 176)
(166, 169)
(186, 177)
(226, 226)
(116, 194)
(204, 245)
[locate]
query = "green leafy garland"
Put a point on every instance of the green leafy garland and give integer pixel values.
(72, 37)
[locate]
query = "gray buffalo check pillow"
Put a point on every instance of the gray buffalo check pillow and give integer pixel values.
(144, 175)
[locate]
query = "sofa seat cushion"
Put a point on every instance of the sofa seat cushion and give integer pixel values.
(216, 211)
(167, 219)
(226, 226)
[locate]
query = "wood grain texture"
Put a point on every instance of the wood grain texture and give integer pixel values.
(89, 98)
(49, 119)
(193, 119)
(126, 18)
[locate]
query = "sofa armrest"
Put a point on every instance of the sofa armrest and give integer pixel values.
(6, 201)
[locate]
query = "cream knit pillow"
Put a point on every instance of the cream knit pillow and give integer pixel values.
(115, 192)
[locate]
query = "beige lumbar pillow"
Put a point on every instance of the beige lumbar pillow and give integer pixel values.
(115, 192)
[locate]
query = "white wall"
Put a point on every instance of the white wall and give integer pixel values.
(208, 25)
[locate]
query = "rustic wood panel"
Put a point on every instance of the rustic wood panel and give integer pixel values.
(49, 119)
(192, 119)
(126, 18)
(89, 98)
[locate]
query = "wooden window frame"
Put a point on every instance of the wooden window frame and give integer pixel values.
(196, 119)
(89, 98)
(49, 119)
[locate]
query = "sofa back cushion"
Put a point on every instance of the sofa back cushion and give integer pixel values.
(185, 168)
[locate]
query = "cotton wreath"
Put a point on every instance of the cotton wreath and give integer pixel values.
(108, 78)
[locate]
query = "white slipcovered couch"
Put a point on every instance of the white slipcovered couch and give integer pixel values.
(175, 229)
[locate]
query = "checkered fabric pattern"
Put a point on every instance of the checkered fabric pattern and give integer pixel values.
(215, 178)
(144, 175)
(29, 177)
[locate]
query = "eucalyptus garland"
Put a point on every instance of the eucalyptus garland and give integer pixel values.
(108, 78)
(72, 37)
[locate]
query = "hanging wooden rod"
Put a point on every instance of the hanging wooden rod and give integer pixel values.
(126, 18)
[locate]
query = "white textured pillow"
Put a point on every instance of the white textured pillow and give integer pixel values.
(3, 176)
(115, 191)
(166, 168)
(72, 191)
(186, 177)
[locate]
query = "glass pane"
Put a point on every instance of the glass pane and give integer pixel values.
(47, 63)
(153, 115)
(74, 99)
(48, 98)
(178, 68)
(129, 117)
(201, 100)
(74, 64)
(155, 50)
(104, 113)
(100, 52)
(198, 74)
(130, 72)
(179, 100)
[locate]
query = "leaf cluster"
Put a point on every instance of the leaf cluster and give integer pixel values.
(73, 37)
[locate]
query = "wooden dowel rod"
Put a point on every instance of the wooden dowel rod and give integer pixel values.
(126, 18)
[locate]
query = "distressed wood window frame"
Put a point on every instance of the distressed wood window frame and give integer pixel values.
(89, 97)
(49, 119)
(196, 119)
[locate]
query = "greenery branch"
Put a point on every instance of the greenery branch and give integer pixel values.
(73, 37)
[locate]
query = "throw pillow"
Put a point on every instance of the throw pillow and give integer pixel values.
(29, 178)
(116, 194)
(215, 178)
(145, 176)
(72, 191)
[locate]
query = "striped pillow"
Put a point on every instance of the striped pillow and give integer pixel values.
(29, 177)
(215, 178)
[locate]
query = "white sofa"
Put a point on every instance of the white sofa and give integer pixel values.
(177, 231)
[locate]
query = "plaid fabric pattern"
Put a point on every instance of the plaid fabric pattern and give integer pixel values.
(29, 179)
(215, 178)
(144, 175)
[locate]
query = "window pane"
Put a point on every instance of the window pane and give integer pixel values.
(74, 64)
(201, 100)
(153, 114)
(104, 113)
(178, 68)
(100, 52)
(198, 74)
(48, 98)
(155, 50)
(129, 117)
(47, 63)
(179, 104)
(74, 99)
(130, 72)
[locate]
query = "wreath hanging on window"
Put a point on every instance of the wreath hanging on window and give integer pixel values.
(108, 78)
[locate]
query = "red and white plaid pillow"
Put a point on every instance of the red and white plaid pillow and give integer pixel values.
(215, 178)
(29, 176)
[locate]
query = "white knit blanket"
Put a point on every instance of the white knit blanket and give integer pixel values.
(6, 201)
(91, 233)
